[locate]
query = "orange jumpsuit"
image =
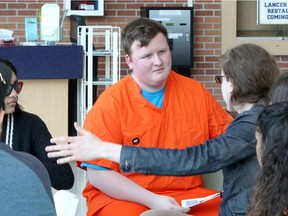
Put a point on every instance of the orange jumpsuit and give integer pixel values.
(189, 116)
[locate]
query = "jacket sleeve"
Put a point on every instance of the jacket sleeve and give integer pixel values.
(61, 176)
(236, 144)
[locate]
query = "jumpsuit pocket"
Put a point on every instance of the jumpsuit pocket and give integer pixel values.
(132, 139)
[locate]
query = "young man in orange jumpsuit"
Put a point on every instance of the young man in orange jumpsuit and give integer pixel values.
(151, 107)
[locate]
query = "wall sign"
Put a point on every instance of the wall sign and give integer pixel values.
(84, 7)
(272, 12)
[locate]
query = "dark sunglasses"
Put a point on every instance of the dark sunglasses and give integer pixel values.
(17, 86)
(219, 78)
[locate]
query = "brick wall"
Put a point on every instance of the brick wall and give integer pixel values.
(207, 29)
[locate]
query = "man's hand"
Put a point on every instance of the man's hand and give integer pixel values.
(160, 202)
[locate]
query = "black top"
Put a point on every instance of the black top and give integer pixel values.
(30, 134)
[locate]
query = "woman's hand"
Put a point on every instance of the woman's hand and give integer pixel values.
(83, 148)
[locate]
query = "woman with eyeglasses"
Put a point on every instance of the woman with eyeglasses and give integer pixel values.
(24, 131)
(247, 74)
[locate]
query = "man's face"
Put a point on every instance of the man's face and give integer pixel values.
(151, 64)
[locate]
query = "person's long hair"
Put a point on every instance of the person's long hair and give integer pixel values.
(252, 70)
(18, 107)
(8, 121)
(271, 192)
(279, 90)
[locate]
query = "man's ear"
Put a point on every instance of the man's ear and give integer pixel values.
(129, 61)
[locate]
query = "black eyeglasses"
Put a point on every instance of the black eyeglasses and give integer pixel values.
(17, 86)
(219, 78)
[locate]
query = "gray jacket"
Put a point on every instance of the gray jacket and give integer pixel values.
(25, 187)
(234, 152)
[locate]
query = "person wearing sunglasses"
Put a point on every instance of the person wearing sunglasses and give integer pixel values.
(24, 131)
(247, 74)
(25, 185)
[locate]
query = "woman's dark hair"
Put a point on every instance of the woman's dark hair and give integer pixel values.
(270, 197)
(18, 107)
(9, 64)
(252, 70)
(279, 90)
(143, 30)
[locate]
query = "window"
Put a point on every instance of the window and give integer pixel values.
(239, 26)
